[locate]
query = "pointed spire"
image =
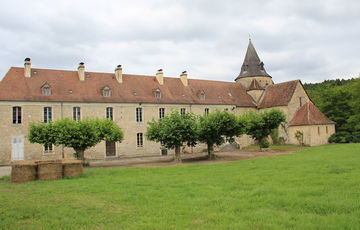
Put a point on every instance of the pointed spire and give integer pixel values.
(252, 66)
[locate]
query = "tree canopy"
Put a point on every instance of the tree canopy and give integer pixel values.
(173, 131)
(260, 125)
(219, 127)
(79, 135)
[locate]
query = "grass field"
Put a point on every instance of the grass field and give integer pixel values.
(317, 188)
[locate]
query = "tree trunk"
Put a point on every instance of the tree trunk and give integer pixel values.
(211, 154)
(177, 154)
(80, 153)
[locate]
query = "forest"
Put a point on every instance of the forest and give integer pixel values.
(339, 100)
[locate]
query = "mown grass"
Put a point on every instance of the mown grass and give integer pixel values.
(317, 188)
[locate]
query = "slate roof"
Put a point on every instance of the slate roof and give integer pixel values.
(308, 114)
(252, 66)
(278, 94)
(66, 87)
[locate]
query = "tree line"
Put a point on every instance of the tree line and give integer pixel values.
(173, 131)
(339, 100)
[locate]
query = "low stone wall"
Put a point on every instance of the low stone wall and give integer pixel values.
(24, 171)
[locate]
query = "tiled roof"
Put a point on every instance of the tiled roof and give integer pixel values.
(308, 114)
(134, 89)
(278, 94)
(254, 85)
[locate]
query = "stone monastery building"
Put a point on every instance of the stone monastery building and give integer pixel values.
(30, 94)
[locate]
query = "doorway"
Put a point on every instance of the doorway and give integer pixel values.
(110, 149)
(17, 152)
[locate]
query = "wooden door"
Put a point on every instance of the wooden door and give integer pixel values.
(17, 152)
(110, 149)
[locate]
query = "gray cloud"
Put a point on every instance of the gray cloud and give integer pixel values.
(307, 40)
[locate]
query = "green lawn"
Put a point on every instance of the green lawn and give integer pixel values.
(317, 188)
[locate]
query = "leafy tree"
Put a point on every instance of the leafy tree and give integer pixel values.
(218, 127)
(79, 135)
(354, 119)
(173, 131)
(260, 125)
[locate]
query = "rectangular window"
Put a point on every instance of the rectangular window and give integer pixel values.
(16, 115)
(161, 112)
(48, 148)
(319, 130)
(300, 100)
(327, 130)
(109, 113)
(182, 111)
(139, 139)
(206, 111)
(76, 113)
(47, 114)
(138, 114)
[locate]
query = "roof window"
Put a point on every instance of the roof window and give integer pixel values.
(202, 95)
(107, 92)
(46, 90)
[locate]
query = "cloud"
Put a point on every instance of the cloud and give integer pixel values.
(307, 40)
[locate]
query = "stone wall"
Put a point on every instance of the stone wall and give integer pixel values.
(263, 81)
(313, 134)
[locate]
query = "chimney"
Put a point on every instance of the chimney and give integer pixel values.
(118, 74)
(183, 77)
(81, 71)
(27, 68)
(160, 76)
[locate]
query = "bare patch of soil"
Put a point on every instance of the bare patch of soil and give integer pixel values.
(189, 159)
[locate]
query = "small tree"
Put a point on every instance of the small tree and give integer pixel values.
(260, 125)
(79, 135)
(173, 131)
(218, 127)
(300, 137)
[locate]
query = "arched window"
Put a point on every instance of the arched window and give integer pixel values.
(46, 90)
(202, 95)
(158, 94)
(107, 92)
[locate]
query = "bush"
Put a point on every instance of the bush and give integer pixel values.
(356, 137)
(264, 144)
(341, 137)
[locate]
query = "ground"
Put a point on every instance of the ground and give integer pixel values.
(317, 188)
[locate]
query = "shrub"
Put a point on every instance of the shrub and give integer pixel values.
(264, 144)
(341, 137)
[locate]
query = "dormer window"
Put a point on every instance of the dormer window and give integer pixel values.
(202, 95)
(46, 90)
(157, 94)
(107, 92)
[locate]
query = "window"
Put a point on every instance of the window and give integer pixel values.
(76, 113)
(48, 148)
(226, 109)
(202, 95)
(138, 114)
(109, 113)
(139, 139)
(327, 130)
(46, 90)
(157, 94)
(300, 100)
(182, 111)
(319, 130)
(206, 111)
(161, 112)
(16, 115)
(47, 114)
(107, 92)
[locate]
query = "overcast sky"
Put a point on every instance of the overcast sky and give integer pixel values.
(307, 40)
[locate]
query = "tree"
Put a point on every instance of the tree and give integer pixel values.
(354, 119)
(79, 135)
(173, 131)
(260, 125)
(218, 127)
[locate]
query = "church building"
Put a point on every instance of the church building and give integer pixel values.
(31, 95)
